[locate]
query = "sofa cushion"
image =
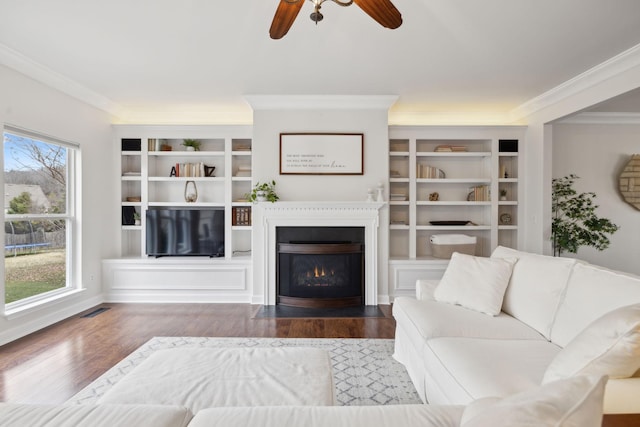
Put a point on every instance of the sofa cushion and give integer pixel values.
(331, 416)
(608, 346)
(536, 287)
(591, 292)
(474, 282)
(22, 415)
(465, 369)
(573, 402)
(424, 320)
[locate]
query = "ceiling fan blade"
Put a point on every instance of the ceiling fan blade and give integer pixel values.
(383, 11)
(284, 17)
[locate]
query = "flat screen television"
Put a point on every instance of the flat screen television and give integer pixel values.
(185, 232)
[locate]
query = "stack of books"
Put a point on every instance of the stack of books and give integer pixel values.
(479, 193)
(450, 148)
(244, 170)
(189, 170)
(241, 215)
(397, 197)
(424, 171)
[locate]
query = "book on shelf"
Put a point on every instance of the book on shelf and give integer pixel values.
(450, 148)
(479, 193)
(241, 215)
(189, 170)
(430, 172)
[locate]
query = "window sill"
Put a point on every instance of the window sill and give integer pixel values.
(39, 304)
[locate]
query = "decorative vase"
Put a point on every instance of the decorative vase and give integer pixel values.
(261, 196)
(190, 148)
(503, 198)
(190, 192)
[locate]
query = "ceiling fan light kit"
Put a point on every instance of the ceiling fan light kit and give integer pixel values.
(382, 11)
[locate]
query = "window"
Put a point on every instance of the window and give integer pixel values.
(39, 217)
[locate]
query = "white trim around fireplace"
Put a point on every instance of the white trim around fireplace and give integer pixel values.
(268, 216)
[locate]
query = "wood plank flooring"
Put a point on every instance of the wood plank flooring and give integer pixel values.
(55, 363)
(52, 365)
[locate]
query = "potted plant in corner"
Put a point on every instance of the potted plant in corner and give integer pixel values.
(263, 192)
(575, 222)
(191, 144)
(136, 218)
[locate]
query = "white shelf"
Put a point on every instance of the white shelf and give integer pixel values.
(452, 203)
(186, 178)
(187, 204)
(186, 153)
(453, 154)
(453, 227)
(454, 180)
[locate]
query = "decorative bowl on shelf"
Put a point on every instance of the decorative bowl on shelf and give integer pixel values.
(449, 222)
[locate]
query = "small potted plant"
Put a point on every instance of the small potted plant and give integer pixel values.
(503, 194)
(191, 144)
(136, 218)
(263, 192)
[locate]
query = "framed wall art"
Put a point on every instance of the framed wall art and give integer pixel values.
(321, 154)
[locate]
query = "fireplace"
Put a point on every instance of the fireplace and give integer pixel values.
(320, 266)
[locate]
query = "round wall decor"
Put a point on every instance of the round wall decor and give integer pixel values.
(629, 182)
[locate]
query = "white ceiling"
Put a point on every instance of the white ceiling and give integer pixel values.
(202, 56)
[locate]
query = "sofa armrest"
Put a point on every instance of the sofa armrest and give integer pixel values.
(621, 396)
(425, 288)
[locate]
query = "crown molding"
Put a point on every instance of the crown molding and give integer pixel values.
(418, 118)
(602, 118)
(51, 78)
(321, 102)
(620, 63)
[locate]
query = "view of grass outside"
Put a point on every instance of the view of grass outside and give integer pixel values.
(34, 273)
(35, 206)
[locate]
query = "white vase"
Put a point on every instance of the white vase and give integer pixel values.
(190, 148)
(261, 196)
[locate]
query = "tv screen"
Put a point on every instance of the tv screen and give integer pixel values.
(185, 232)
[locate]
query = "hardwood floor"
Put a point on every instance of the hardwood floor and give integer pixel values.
(55, 363)
(52, 365)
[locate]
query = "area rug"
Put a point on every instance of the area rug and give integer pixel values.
(364, 370)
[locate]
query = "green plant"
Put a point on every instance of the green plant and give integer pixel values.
(266, 190)
(575, 222)
(503, 193)
(192, 143)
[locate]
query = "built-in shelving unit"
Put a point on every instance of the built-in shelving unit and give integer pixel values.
(429, 186)
(155, 167)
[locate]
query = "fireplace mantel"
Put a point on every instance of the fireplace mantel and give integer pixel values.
(268, 216)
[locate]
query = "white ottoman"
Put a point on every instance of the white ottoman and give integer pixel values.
(199, 378)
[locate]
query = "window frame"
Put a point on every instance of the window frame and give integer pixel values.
(70, 217)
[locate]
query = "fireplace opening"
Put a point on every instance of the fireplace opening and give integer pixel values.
(320, 273)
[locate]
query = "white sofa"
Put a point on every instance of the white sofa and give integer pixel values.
(548, 324)
(573, 402)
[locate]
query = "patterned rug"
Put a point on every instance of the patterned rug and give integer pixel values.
(364, 370)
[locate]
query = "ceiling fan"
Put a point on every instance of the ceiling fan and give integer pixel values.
(383, 11)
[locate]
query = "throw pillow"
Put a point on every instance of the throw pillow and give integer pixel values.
(474, 282)
(572, 402)
(610, 345)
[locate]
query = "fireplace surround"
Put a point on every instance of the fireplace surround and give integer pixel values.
(269, 216)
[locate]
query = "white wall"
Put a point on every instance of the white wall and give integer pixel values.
(597, 153)
(587, 90)
(28, 104)
(373, 123)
